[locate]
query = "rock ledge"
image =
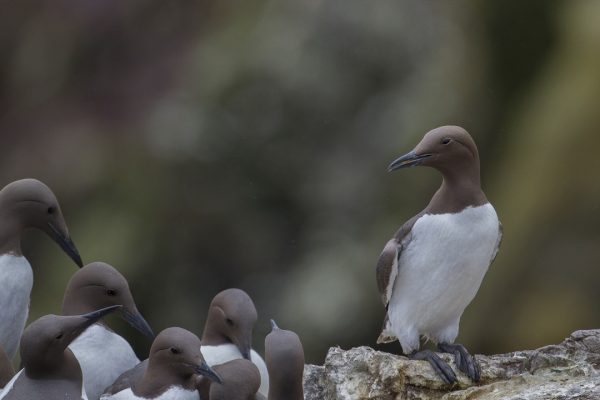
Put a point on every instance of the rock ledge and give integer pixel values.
(570, 370)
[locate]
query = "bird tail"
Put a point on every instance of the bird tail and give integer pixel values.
(386, 336)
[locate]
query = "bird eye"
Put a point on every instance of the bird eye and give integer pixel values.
(229, 321)
(175, 350)
(110, 292)
(59, 336)
(446, 140)
(50, 210)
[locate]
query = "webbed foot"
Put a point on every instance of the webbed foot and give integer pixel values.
(464, 361)
(440, 366)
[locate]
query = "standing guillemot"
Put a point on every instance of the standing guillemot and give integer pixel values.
(27, 203)
(50, 370)
(228, 332)
(102, 354)
(169, 373)
(241, 381)
(432, 268)
(285, 361)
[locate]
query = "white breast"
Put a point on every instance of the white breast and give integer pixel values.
(173, 393)
(216, 355)
(16, 281)
(103, 356)
(439, 273)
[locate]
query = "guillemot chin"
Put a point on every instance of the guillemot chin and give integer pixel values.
(431, 269)
(24, 204)
(228, 332)
(171, 371)
(50, 370)
(102, 354)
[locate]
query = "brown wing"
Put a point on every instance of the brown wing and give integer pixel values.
(498, 242)
(387, 265)
(387, 271)
(127, 379)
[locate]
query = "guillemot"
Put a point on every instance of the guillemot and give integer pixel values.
(24, 204)
(50, 370)
(171, 371)
(102, 354)
(228, 332)
(432, 268)
(284, 355)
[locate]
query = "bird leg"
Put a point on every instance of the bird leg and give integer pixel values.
(440, 366)
(464, 361)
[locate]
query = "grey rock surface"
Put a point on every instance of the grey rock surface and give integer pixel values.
(570, 370)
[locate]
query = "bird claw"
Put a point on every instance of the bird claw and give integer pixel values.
(442, 369)
(464, 361)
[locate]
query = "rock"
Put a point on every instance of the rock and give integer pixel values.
(570, 370)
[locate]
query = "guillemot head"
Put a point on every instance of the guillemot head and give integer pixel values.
(449, 149)
(176, 352)
(99, 285)
(28, 203)
(231, 319)
(45, 340)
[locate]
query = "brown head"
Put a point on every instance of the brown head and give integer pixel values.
(175, 359)
(284, 356)
(241, 381)
(449, 149)
(28, 203)
(452, 151)
(99, 285)
(231, 319)
(44, 343)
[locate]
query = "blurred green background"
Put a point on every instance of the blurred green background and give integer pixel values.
(203, 145)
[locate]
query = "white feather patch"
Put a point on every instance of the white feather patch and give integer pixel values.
(16, 281)
(439, 273)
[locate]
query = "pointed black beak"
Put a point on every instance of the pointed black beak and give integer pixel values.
(411, 159)
(243, 341)
(90, 318)
(96, 315)
(66, 244)
(245, 348)
(246, 353)
(74, 325)
(274, 325)
(205, 370)
(136, 320)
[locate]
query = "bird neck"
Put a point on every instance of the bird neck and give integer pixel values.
(10, 232)
(65, 367)
(458, 191)
(285, 370)
(212, 336)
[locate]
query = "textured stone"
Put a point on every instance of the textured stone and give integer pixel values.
(570, 370)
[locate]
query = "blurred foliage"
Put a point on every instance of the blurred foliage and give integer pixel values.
(203, 145)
